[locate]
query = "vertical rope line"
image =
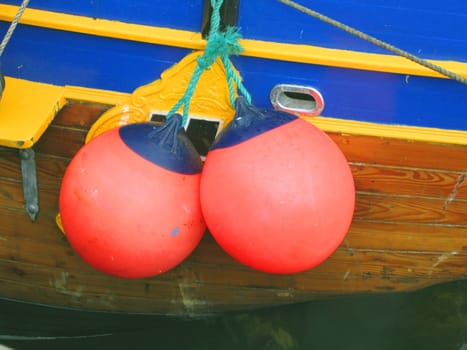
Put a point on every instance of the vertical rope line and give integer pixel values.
(220, 45)
(12, 26)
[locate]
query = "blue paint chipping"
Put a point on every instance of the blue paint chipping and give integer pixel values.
(175, 231)
(166, 146)
(249, 122)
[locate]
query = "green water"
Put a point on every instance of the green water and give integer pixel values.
(434, 318)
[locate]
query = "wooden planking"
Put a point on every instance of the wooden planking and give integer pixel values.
(406, 237)
(385, 213)
(209, 257)
(68, 131)
(80, 114)
(49, 169)
(369, 207)
(397, 265)
(11, 195)
(16, 223)
(362, 234)
(360, 149)
(409, 181)
(368, 178)
(79, 285)
(61, 141)
(10, 168)
(402, 237)
(364, 260)
(59, 287)
(404, 153)
(178, 299)
(417, 210)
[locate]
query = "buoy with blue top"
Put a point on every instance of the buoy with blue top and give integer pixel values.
(277, 193)
(129, 200)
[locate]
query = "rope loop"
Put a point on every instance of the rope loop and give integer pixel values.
(220, 45)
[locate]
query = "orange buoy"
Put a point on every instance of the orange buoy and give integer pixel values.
(277, 193)
(129, 200)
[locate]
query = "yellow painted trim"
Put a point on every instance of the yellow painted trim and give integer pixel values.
(263, 49)
(342, 126)
(411, 133)
(211, 98)
(94, 95)
(61, 94)
(26, 110)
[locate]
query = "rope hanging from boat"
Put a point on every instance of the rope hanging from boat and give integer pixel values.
(219, 45)
(375, 41)
(12, 26)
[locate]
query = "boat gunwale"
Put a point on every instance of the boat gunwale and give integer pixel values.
(298, 53)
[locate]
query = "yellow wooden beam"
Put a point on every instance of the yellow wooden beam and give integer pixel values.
(26, 110)
(254, 48)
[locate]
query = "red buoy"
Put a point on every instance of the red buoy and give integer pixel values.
(129, 200)
(277, 193)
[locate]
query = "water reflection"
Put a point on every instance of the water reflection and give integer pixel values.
(434, 318)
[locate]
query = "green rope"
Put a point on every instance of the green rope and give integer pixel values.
(219, 45)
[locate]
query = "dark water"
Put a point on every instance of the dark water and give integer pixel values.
(434, 318)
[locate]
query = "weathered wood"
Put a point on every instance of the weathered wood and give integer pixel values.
(410, 209)
(368, 177)
(80, 114)
(409, 181)
(49, 169)
(406, 237)
(386, 151)
(358, 272)
(362, 234)
(177, 299)
(61, 141)
(409, 231)
(11, 194)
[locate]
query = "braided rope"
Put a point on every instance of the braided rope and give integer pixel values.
(12, 26)
(375, 41)
(219, 45)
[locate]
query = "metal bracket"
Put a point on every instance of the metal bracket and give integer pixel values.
(29, 174)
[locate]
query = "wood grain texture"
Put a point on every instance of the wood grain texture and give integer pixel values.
(409, 231)
(49, 170)
(404, 209)
(403, 153)
(409, 181)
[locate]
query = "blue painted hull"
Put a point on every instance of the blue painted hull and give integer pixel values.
(66, 58)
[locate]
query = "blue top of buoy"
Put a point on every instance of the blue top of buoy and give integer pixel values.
(249, 122)
(167, 146)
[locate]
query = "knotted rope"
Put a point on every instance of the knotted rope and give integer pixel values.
(219, 45)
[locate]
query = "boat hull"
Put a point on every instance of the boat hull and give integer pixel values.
(408, 233)
(117, 47)
(409, 227)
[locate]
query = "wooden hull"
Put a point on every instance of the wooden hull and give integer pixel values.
(409, 232)
(410, 224)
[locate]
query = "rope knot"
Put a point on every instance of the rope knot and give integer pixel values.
(224, 43)
(220, 44)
